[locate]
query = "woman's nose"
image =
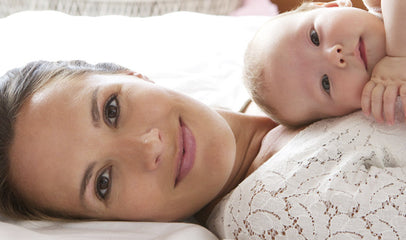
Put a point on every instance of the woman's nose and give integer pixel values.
(336, 57)
(151, 148)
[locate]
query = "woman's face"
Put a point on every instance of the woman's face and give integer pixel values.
(119, 147)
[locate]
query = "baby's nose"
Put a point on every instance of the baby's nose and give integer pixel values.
(336, 56)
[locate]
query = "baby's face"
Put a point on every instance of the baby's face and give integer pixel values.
(317, 62)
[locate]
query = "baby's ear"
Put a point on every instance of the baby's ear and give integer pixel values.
(337, 3)
(139, 75)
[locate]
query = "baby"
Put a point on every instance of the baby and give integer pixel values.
(328, 59)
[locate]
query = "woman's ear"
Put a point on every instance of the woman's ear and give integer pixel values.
(139, 75)
(337, 3)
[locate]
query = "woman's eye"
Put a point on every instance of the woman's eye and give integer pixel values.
(112, 111)
(325, 83)
(314, 37)
(103, 184)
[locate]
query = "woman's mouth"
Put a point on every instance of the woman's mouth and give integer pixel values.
(187, 152)
(363, 53)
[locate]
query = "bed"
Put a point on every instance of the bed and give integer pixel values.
(198, 54)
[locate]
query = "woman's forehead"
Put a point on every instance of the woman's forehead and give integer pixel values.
(42, 149)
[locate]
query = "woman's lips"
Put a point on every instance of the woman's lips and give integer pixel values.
(363, 53)
(187, 145)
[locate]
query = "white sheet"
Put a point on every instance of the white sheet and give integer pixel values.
(41, 230)
(341, 178)
(198, 54)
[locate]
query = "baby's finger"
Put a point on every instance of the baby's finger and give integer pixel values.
(402, 94)
(376, 102)
(389, 99)
(366, 97)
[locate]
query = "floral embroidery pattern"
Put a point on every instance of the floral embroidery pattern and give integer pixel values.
(338, 179)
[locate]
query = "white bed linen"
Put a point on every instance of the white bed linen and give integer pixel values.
(200, 55)
(341, 178)
(41, 230)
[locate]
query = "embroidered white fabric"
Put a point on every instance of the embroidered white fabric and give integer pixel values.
(341, 178)
(133, 8)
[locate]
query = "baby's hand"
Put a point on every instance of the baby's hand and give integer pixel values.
(387, 82)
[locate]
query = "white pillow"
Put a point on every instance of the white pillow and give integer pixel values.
(198, 54)
(43, 230)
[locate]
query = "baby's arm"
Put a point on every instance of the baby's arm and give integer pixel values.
(389, 76)
(394, 15)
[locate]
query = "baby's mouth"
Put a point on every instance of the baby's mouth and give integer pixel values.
(363, 53)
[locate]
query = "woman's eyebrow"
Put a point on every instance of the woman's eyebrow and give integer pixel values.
(95, 109)
(85, 180)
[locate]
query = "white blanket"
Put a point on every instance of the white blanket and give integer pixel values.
(341, 178)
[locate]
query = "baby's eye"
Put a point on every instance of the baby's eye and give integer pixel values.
(314, 37)
(112, 111)
(103, 184)
(325, 83)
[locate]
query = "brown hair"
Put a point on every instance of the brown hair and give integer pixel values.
(16, 86)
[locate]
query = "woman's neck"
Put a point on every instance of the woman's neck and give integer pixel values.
(249, 132)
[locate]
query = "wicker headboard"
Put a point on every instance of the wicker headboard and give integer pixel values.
(140, 8)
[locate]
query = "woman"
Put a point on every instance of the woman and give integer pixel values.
(104, 142)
